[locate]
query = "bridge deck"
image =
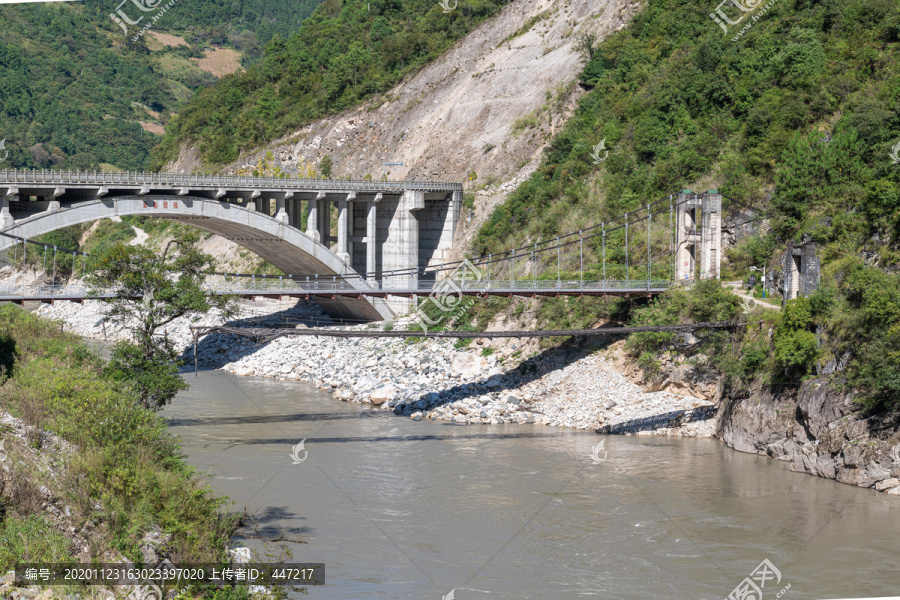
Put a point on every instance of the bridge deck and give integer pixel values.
(274, 288)
(15, 181)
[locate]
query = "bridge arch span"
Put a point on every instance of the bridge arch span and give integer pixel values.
(286, 247)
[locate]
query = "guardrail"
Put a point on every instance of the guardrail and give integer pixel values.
(133, 178)
(315, 285)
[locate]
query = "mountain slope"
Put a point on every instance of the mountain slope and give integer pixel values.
(796, 117)
(343, 54)
(487, 105)
(74, 94)
(681, 105)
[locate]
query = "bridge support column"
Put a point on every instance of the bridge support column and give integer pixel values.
(400, 251)
(687, 242)
(447, 227)
(281, 215)
(325, 222)
(294, 209)
(453, 213)
(343, 225)
(6, 219)
(312, 223)
(698, 235)
(371, 236)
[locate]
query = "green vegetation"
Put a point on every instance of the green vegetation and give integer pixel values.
(342, 54)
(31, 539)
(150, 291)
(325, 166)
(246, 26)
(795, 345)
(859, 310)
(736, 356)
(107, 233)
(854, 317)
(797, 119)
(72, 92)
(681, 106)
(707, 302)
(67, 96)
(35, 257)
(124, 474)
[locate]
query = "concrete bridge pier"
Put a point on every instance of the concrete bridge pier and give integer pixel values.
(6, 219)
(281, 214)
(400, 250)
(344, 225)
(325, 222)
(371, 236)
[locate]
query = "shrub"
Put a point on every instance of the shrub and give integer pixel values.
(796, 348)
(755, 354)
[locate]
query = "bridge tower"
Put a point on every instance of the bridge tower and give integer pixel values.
(698, 235)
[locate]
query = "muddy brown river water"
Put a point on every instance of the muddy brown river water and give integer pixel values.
(398, 509)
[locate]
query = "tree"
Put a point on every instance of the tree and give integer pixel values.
(149, 291)
(267, 166)
(325, 166)
(584, 45)
(796, 348)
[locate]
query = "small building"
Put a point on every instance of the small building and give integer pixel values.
(801, 270)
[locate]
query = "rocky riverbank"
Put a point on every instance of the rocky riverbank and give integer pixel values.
(819, 430)
(578, 388)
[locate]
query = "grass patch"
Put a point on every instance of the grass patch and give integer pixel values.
(31, 539)
(128, 472)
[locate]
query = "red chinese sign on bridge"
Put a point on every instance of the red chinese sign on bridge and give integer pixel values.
(157, 203)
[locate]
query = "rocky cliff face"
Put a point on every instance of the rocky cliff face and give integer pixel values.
(819, 430)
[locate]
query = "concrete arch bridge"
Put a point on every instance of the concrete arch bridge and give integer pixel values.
(382, 227)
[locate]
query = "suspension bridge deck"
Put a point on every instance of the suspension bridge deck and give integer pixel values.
(275, 288)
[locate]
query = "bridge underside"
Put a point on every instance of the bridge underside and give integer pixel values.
(286, 247)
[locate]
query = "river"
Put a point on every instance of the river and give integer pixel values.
(398, 509)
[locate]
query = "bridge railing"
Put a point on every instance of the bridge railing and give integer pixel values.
(286, 285)
(75, 290)
(133, 178)
(426, 287)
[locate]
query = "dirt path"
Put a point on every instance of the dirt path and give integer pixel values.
(141, 236)
(737, 291)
